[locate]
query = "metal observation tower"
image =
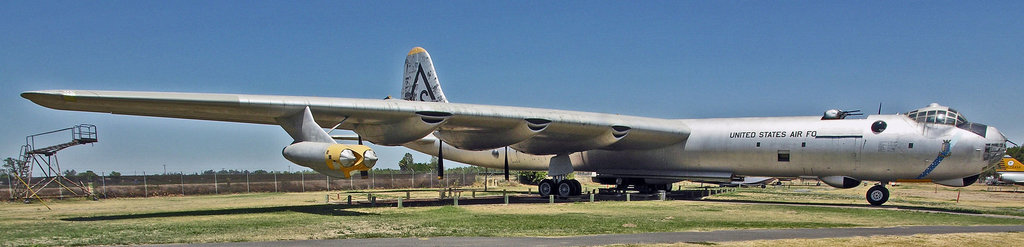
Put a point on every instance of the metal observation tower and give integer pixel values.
(38, 166)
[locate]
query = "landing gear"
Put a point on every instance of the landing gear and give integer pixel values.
(564, 188)
(545, 187)
(877, 195)
(578, 188)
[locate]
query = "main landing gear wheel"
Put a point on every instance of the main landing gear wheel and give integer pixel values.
(877, 195)
(566, 188)
(545, 187)
(577, 187)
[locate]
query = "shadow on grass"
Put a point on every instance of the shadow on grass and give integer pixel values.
(326, 210)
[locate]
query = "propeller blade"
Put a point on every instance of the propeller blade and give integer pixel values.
(440, 160)
(506, 163)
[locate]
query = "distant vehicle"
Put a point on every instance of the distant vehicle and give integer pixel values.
(933, 144)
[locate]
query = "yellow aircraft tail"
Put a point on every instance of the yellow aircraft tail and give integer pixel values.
(1009, 164)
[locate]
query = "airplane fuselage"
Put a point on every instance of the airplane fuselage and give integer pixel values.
(721, 149)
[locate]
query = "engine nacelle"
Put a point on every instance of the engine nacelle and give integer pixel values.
(399, 132)
(842, 182)
(959, 182)
(336, 160)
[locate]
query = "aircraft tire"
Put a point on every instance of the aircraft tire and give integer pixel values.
(565, 188)
(545, 187)
(877, 195)
(577, 188)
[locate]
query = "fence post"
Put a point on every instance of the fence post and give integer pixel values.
(328, 183)
(373, 179)
(392, 179)
(103, 178)
(399, 202)
(505, 195)
(182, 183)
(216, 190)
(302, 177)
(247, 182)
(349, 199)
(413, 183)
(275, 182)
(145, 186)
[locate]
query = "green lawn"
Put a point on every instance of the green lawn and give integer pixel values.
(283, 216)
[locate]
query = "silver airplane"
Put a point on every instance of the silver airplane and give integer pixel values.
(932, 144)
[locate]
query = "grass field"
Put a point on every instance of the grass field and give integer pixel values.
(287, 216)
(922, 240)
(972, 199)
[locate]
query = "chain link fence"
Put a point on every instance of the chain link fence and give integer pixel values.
(206, 184)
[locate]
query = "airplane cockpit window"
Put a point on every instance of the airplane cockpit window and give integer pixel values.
(937, 114)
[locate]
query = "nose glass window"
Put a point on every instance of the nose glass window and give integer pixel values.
(946, 117)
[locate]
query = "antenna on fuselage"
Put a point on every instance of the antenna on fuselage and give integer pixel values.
(879, 108)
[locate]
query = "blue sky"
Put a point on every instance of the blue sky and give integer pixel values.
(671, 59)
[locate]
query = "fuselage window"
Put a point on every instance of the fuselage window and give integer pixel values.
(783, 155)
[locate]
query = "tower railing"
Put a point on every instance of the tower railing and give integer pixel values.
(44, 158)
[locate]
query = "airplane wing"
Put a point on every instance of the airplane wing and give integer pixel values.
(394, 122)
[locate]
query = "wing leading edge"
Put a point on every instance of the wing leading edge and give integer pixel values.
(394, 122)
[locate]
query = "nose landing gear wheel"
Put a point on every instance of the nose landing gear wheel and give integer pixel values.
(545, 187)
(877, 195)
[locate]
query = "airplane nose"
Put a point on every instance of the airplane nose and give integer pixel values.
(995, 145)
(994, 136)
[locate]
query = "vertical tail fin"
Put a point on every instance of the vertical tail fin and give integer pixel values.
(421, 82)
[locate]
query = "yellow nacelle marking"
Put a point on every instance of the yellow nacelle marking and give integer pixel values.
(333, 156)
